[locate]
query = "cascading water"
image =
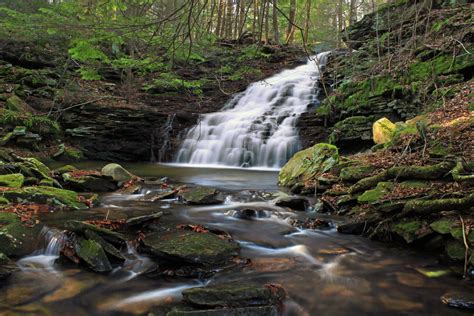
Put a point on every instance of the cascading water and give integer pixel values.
(257, 127)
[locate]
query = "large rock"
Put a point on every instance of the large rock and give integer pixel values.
(383, 131)
(92, 253)
(234, 295)
(306, 164)
(107, 234)
(117, 172)
(201, 195)
(17, 240)
(190, 247)
(140, 220)
(89, 183)
(293, 202)
(464, 300)
(46, 195)
(14, 180)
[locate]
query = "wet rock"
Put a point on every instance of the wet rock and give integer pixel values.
(293, 202)
(159, 195)
(411, 229)
(108, 248)
(14, 180)
(117, 172)
(92, 253)
(17, 240)
(107, 234)
(140, 220)
(89, 183)
(240, 311)
(305, 164)
(355, 228)
(464, 300)
(190, 247)
(201, 195)
(7, 267)
(235, 295)
(248, 214)
(46, 195)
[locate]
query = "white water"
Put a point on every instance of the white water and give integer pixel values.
(257, 127)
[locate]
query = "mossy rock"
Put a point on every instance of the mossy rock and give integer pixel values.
(306, 164)
(92, 253)
(110, 250)
(107, 234)
(17, 240)
(89, 183)
(383, 131)
(234, 295)
(65, 169)
(376, 194)
(14, 180)
(453, 227)
(227, 311)
(4, 201)
(201, 195)
(117, 172)
(46, 195)
(411, 229)
(188, 247)
(8, 218)
(68, 154)
(455, 250)
(357, 172)
(14, 103)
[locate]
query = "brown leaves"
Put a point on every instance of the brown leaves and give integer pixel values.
(27, 212)
(194, 228)
(109, 224)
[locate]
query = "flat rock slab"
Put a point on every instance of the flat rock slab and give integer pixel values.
(240, 311)
(464, 300)
(201, 195)
(190, 247)
(234, 295)
(159, 195)
(140, 220)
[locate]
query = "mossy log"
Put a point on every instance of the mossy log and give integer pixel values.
(459, 172)
(368, 183)
(425, 207)
(431, 172)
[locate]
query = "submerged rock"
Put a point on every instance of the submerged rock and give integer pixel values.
(201, 195)
(190, 247)
(117, 172)
(463, 300)
(235, 295)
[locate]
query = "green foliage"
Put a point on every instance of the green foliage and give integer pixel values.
(244, 72)
(251, 52)
(171, 82)
(39, 123)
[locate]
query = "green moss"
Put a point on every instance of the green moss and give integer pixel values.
(455, 250)
(377, 194)
(17, 240)
(93, 255)
(8, 218)
(306, 164)
(3, 201)
(14, 180)
(410, 229)
(440, 65)
(355, 173)
(45, 194)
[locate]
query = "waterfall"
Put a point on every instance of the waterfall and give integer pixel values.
(256, 128)
(44, 258)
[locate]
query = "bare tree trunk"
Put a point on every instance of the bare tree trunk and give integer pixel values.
(267, 26)
(307, 21)
(353, 12)
(276, 32)
(291, 28)
(219, 17)
(339, 22)
(228, 19)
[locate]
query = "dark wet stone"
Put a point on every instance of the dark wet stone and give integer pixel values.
(140, 220)
(249, 214)
(108, 248)
(463, 300)
(17, 240)
(157, 196)
(190, 247)
(107, 234)
(92, 253)
(234, 295)
(7, 267)
(356, 228)
(240, 311)
(201, 195)
(293, 202)
(89, 183)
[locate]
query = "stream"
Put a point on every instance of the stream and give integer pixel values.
(323, 272)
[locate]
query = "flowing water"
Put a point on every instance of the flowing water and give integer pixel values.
(256, 127)
(324, 273)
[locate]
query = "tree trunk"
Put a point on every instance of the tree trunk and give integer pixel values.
(276, 32)
(291, 23)
(353, 12)
(219, 18)
(307, 21)
(228, 19)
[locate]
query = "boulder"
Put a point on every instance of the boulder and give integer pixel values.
(17, 240)
(306, 164)
(293, 202)
(117, 172)
(464, 300)
(107, 234)
(92, 253)
(14, 180)
(68, 154)
(108, 248)
(201, 195)
(89, 183)
(14, 103)
(383, 131)
(190, 247)
(140, 220)
(7, 267)
(46, 195)
(235, 295)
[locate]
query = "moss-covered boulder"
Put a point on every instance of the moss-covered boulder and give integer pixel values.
(107, 234)
(383, 131)
(117, 172)
(14, 180)
(68, 154)
(306, 164)
(234, 295)
(17, 240)
(188, 247)
(411, 229)
(356, 172)
(376, 194)
(46, 195)
(88, 183)
(354, 132)
(92, 253)
(201, 195)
